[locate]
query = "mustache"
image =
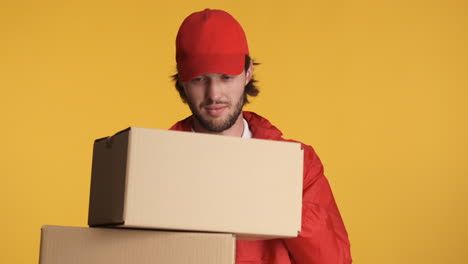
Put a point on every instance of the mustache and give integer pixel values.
(213, 102)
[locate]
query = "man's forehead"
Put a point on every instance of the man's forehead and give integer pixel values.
(218, 74)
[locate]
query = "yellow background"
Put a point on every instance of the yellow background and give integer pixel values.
(377, 87)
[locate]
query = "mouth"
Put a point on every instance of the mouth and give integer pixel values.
(215, 110)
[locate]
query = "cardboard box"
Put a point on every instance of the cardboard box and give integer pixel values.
(79, 245)
(150, 178)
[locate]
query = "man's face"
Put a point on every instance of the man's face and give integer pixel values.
(216, 99)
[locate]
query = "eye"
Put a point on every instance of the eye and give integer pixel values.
(197, 79)
(226, 77)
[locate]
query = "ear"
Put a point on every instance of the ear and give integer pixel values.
(249, 73)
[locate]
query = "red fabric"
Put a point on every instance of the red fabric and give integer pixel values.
(323, 238)
(210, 41)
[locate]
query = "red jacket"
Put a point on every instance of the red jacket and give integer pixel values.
(323, 238)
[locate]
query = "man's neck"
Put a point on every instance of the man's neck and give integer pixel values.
(235, 130)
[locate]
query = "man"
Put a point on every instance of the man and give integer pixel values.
(215, 78)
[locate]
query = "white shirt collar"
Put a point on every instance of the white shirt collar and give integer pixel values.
(247, 133)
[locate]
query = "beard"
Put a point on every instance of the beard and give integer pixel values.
(217, 126)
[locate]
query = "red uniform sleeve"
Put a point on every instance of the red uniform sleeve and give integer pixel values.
(323, 238)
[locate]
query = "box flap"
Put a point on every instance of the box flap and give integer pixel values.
(107, 194)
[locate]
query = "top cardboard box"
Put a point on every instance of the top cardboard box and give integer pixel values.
(160, 179)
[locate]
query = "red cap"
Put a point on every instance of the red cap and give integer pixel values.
(210, 41)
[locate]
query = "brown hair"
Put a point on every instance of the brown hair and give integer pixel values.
(250, 89)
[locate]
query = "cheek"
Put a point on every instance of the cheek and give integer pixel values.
(195, 96)
(190, 92)
(239, 88)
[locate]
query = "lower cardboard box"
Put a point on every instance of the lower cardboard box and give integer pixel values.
(73, 245)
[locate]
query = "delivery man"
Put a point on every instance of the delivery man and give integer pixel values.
(215, 78)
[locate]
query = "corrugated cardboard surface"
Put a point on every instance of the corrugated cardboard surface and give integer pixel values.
(78, 245)
(190, 181)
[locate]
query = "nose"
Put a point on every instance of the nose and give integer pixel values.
(214, 89)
